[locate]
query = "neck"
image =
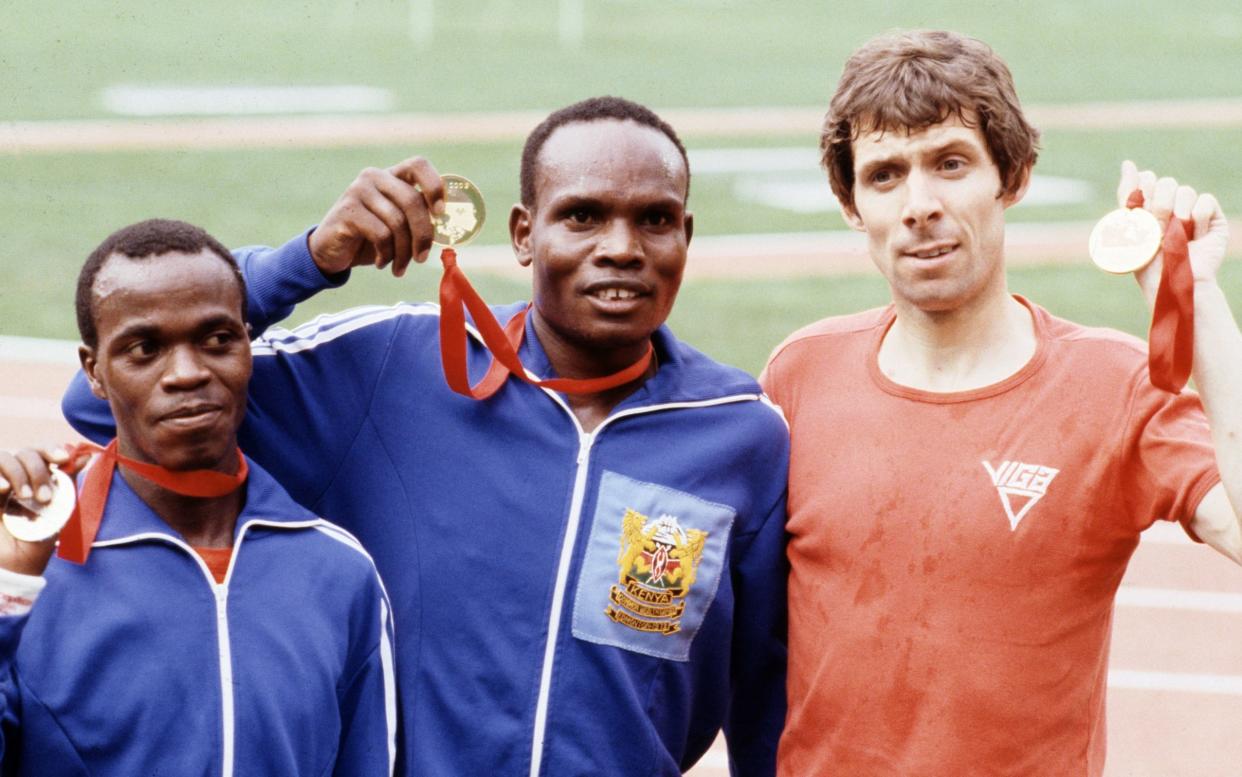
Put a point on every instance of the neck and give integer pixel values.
(571, 360)
(966, 348)
(202, 521)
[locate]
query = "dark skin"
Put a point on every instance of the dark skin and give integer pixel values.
(606, 239)
(173, 362)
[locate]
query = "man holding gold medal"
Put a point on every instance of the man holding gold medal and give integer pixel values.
(584, 549)
(969, 474)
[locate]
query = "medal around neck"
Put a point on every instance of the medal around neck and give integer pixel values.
(463, 213)
(1125, 240)
(49, 519)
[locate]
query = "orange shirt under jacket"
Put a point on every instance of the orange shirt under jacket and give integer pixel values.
(955, 556)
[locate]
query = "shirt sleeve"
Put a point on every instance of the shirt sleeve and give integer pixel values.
(278, 279)
(17, 595)
(757, 700)
(1167, 459)
(368, 703)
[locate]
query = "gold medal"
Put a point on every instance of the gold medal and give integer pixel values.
(49, 519)
(463, 212)
(1125, 240)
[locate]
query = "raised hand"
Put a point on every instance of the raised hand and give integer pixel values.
(1165, 198)
(383, 218)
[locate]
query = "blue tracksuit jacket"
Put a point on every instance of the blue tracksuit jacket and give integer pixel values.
(570, 603)
(139, 663)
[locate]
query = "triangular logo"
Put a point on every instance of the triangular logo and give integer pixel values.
(1020, 486)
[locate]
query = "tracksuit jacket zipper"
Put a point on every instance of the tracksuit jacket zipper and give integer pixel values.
(585, 441)
(224, 650)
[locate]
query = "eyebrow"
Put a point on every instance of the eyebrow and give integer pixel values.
(148, 330)
(952, 145)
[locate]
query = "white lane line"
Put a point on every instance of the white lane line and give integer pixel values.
(30, 408)
(1173, 599)
(716, 758)
(140, 100)
(1221, 684)
(40, 350)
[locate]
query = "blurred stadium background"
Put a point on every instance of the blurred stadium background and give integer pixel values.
(250, 118)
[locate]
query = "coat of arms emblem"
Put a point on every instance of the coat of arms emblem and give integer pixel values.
(658, 562)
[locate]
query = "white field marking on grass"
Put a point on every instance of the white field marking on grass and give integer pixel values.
(1177, 599)
(140, 100)
(790, 179)
(1182, 682)
(95, 135)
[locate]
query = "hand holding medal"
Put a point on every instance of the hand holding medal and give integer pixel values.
(1168, 235)
(37, 498)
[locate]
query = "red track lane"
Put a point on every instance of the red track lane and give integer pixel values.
(1152, 733)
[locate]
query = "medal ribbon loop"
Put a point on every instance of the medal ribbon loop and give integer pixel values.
(83, 525)
(458, 296)
(1171, 340)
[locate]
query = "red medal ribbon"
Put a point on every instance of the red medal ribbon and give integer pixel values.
(83, 525)
(1171, 340)
(458, 296)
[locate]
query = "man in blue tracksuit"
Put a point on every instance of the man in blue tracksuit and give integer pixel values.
(585, 584)
(227, 634)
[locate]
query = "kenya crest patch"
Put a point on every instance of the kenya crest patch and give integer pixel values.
(658, 563)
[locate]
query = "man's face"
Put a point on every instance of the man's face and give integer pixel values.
(173, 358)
(607, 235)
(928, 201)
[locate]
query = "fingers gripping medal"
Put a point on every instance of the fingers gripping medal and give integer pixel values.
(47, 520)
(463, 213)
(461, 222)
(1125, 240)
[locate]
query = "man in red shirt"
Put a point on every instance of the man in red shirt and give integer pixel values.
(970, 474)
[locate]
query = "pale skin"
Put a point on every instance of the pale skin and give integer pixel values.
(931, 205)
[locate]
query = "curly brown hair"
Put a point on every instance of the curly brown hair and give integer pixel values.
(908, 81)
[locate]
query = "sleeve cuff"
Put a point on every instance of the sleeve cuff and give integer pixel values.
(18, 592)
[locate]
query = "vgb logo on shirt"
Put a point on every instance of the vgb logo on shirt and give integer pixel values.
(658, 565)
(646, 583)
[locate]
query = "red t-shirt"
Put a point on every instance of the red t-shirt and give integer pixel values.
(217, 561)
(955, 556)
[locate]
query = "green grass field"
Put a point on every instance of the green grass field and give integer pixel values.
(56, 57)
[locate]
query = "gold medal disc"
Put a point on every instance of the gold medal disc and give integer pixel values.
(1125, 240)
(49, 519)
(463, 212)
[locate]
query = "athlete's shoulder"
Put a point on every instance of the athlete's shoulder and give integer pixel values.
(1102, 346)
(695, 378)
(832, 330)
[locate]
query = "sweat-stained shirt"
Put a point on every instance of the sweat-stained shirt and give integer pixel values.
(955, 556)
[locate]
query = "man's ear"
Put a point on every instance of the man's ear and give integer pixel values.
(1013, 198)
(689, 221)
(852, 218)
(519, 234)
(86, 356)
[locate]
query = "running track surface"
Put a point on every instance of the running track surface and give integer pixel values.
(1175, 698)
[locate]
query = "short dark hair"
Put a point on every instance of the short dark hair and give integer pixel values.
(592, 109)
(909, 81)
(146, 239)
